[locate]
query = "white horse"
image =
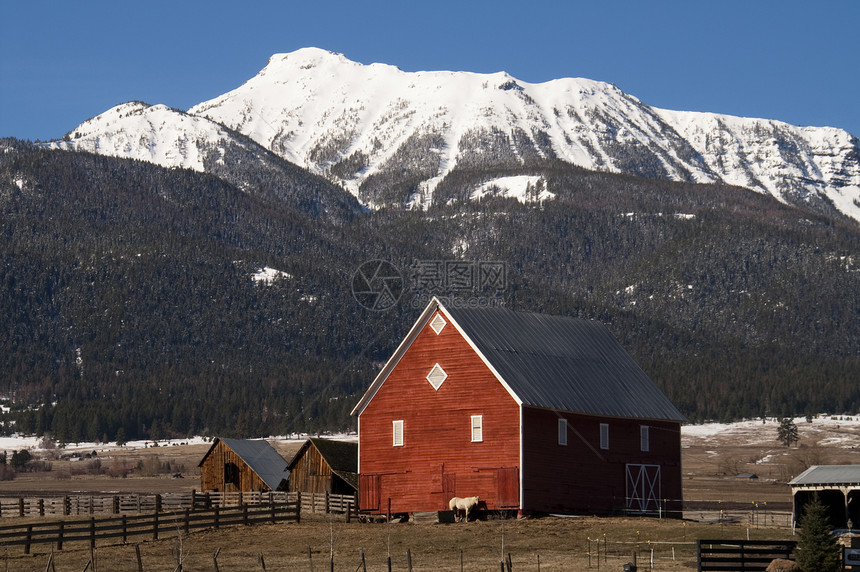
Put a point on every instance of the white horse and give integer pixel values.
(465, 504)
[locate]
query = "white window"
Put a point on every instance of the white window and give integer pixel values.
(604, 435)
(643, 438)
(438, 324)
(398, 433)
(562, 431)
(436, 376)
(477, 428)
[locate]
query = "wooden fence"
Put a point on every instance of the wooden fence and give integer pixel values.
(741, 555)
(156, 525)
(89, 505)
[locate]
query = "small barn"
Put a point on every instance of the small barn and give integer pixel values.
(325, 466)
(233, 465)
(837, 487)
(530, 412)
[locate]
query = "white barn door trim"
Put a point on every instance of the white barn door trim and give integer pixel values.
(643, 489)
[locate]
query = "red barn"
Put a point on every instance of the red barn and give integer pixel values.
(529, 412)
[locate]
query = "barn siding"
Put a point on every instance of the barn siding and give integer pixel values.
(438, 459)
(310, 473)
(212, 472)
(580, 476)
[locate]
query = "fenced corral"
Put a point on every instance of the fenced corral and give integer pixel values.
(155, 525)
(92, 505)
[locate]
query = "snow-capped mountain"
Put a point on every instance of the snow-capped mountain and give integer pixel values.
(172, 138)
(390, 136)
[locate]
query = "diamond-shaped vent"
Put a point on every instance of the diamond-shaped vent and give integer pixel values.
(436, 376)
(438, 323)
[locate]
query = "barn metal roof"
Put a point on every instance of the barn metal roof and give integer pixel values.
(550, 362)
(563, 363)
(260, 456)
(824, 475)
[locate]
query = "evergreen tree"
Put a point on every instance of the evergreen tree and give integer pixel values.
(817, 548)
(787, 432)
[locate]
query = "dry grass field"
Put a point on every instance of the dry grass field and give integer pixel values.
(712, 457)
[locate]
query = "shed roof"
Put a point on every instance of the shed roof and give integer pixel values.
(551, 362)
(260, 457)
(824, 475)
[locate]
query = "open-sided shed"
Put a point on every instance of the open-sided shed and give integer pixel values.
(837, 487)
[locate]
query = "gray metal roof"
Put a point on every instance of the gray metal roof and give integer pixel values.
(563, 363)
(262, 458)
(817, 475)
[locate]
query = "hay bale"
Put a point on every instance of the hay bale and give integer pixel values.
(783, 565)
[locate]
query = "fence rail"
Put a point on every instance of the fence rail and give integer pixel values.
(90, 505)
(743, 555)
(157, 524)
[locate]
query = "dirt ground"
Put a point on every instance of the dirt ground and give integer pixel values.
(713, 457)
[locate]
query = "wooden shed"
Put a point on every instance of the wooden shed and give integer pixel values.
(325, 466)
(529, 412)
(838, 489)
(233, 465)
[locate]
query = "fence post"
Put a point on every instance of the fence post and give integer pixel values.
(21, 507)
(298, 506)
(155, 525)
(28, 539)
(187, 511)
(157, 503)
(327, 501)
(60, 536)
(245, 514)
(116, 504)
(41, 507)
(217, 512)
(124, 529)
(92, 532)
(67, 506)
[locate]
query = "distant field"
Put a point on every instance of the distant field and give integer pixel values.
(712, 457)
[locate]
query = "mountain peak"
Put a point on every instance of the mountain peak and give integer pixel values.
(390, 137)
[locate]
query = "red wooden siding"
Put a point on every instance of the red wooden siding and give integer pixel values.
(438, 459)
(580, 476)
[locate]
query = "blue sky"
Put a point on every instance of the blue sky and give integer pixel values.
(62, 62)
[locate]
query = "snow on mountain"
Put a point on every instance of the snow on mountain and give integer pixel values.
(153, 133)
(390, 136)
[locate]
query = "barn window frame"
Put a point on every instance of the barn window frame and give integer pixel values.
(437, 376)
(477, 428)
(644, 438)
(604, 436)
(562, 432)
(397, 433)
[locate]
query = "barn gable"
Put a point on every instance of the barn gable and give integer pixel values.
(242, 464)
(325, 465)
(549, 362)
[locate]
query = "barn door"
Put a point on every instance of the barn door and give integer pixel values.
(368, 492)
(643, 489)
(449, 488)
(508, 486)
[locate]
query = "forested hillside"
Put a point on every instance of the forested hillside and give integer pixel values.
(129, 303)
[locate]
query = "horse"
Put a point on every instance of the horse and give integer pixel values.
(465, 504)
